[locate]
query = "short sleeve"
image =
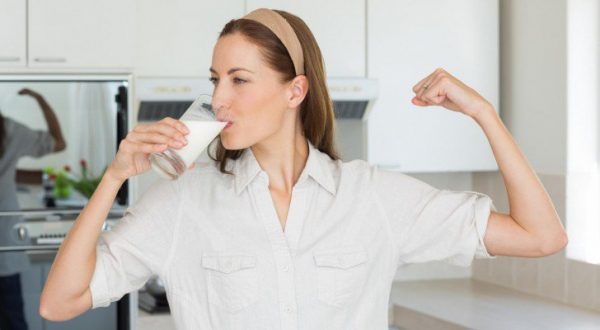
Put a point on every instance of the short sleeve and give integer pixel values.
(138, 246)
(430, 224)
(34, 143)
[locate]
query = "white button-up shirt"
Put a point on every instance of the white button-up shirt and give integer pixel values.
(216, 242)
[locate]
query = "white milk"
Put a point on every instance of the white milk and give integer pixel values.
(201, 133)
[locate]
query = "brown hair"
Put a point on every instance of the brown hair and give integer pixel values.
(316, 111)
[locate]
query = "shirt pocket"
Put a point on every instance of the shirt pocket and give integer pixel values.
(341, 273)
(232, 280)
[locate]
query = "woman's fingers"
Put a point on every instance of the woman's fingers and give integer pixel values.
(132, 147)
(419, 85)
(155, 138)
(164, 128)
(435, 93)
(177, 124)
(426, 86)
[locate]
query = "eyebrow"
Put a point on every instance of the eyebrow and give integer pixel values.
(232, 70)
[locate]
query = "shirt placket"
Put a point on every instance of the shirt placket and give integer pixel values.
(283, 245)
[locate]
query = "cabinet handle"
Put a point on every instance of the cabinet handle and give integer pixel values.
(50, 59)
(10, 58)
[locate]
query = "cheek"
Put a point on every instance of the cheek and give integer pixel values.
(259, 109)
(252, 127)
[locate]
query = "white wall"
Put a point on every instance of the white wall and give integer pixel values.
(533, 102)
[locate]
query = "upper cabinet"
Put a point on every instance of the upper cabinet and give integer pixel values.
(408, 40)
(81, 34)
(176, 38)
(338, 26)
(63, 35)
(13, 33)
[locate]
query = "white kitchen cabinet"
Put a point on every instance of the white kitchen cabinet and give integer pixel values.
(338, 26)
(409, 39)
(176, 38)
(81, 34)
(13, 33)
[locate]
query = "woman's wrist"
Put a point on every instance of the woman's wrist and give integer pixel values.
(485, 115)
(112, 178)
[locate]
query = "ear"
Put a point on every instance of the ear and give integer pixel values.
(298, 88)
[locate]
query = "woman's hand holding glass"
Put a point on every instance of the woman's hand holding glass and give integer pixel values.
(132, 158)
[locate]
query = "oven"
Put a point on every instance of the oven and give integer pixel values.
(59, 133)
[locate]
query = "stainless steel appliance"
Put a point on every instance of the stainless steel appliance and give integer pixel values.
(44, 185)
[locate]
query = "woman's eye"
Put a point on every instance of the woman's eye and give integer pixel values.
(238, 81)
(213, 80)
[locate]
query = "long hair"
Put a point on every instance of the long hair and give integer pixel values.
(316, 111)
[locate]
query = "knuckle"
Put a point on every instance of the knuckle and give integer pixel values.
(125, 145)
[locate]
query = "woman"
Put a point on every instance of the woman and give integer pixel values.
(279, 233)
(17, 141)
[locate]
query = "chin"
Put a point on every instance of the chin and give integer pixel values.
(232, 144)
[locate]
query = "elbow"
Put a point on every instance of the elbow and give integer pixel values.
(554, 245)
(60, 146)
(56, 311)
(51, 311)
(48, 311)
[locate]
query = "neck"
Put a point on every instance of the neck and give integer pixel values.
(283, 156)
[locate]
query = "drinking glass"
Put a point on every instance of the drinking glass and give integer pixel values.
(203, 126)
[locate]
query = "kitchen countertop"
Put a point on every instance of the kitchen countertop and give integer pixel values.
(158, 321)
(456, 304)
(468, 303)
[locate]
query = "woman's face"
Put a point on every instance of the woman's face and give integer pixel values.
(248, 93)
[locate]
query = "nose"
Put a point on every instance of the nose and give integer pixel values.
(221, 103)
(219, 99)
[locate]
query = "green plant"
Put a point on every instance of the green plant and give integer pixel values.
(85, 184)
(62, 185)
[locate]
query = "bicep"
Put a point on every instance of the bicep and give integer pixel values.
(505, 237)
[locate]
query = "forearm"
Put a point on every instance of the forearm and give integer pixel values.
(74, 265)
(530, 205)
(52, 122)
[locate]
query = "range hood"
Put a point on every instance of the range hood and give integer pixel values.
(161, 97)
(352, 98)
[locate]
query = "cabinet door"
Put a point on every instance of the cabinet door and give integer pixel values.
(84, 34)
(409, 39)
(176, 38)
(12, 33)
(338, 26)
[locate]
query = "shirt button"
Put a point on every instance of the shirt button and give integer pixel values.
(288, 309)
(285, 267)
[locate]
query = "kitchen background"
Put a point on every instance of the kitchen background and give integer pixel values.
(537, 61)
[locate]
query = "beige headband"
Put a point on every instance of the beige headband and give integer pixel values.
(284, 31)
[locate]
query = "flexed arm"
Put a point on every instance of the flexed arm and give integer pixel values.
(50, 117)
(532, 228)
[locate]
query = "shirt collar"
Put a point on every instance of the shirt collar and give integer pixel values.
(318, 167)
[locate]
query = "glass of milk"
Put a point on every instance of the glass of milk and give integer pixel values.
(201, 121)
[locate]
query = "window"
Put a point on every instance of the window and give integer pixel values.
(583, 131)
